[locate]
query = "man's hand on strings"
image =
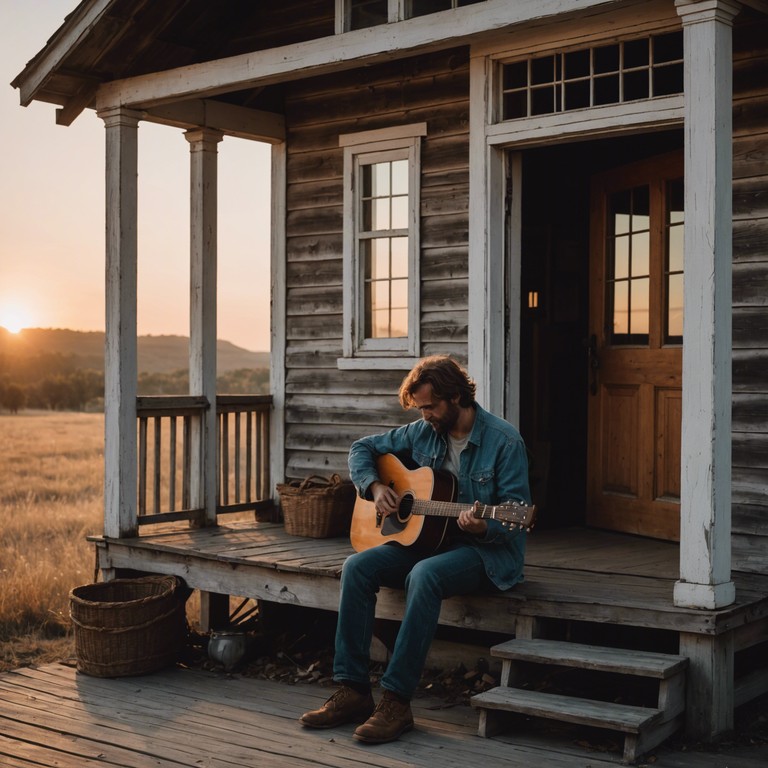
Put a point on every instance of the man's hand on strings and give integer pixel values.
(385, 500)
(471, 524)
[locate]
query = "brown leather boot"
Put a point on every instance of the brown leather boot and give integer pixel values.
(345, 706)
(391, 718)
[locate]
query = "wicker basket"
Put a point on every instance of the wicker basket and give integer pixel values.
(128, 626)
(318, 507)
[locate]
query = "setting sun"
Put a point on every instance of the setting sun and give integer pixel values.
(14, 317)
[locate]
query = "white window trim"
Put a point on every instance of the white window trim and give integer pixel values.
(367, 144)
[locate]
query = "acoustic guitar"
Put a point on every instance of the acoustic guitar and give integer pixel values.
(426, 509)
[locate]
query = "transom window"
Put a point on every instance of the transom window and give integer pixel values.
(359, 14)
(630, 70)
(381, 242)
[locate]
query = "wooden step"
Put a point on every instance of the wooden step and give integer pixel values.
(618, 660)
(570, 709)
(643, 728)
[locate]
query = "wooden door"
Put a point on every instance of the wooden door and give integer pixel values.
(635, 348)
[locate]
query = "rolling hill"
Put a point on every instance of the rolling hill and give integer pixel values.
(85, 349)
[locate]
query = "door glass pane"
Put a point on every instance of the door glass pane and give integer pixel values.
(673, 332)
(675, 309)
(639, 307)
(641, 247)
(629, 246)
(621, 308)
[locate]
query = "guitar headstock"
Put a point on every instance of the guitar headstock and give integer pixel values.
(515, 514)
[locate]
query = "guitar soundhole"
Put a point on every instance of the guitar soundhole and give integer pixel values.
(406, 505)
(394, 524)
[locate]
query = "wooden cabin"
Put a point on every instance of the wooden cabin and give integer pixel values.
(567, 195)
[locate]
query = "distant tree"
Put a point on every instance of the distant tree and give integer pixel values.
(13, 397)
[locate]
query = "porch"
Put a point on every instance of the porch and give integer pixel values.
(581, 585)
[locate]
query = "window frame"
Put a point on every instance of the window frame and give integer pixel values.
(361, 149)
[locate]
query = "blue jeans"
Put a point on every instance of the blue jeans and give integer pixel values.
(427, 582)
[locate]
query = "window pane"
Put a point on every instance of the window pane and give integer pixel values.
(367, 13)
(607, 90)
(543, 101)
(639, 316)
(606, 59)
(668, 80)
(399, 327)
(621, 308)
(641, 206)
(399, 256)
(577, 95)
(675, 306)
(399, 213)
(577, 64)
(400, 177)
(380, 186)
(381, 217)
(636, 85)
(380, 322)
(641, 248)
(423, 7)
(399, 294)
(675, 202)
(636, 53)
(667, 47)
(379, 259)
(675, 246)
(515, 75)
(621, 258)
(515, 105)
(380, 295)
(543, 70)
(621, 208)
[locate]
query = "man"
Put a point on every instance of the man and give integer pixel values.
(488, 457)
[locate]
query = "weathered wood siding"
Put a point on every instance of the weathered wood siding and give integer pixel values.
(328, 408)
(750, 295)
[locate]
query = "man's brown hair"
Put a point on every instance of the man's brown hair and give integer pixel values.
(446, 376)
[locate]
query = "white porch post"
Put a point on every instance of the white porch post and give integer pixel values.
(202, 308)
(705, 532)
(120, 365)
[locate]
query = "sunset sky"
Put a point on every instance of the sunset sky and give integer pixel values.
(52, 211)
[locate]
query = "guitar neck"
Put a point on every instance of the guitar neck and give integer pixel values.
(446, 508)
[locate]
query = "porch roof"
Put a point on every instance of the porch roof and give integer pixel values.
(120, 42)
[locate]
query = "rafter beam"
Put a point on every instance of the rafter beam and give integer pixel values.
(334, 53)
(230, 119)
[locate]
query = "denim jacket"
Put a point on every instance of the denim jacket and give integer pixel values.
(494, 469)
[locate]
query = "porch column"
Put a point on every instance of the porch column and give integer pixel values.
(120, 364)
(705, 525)
(203, 145)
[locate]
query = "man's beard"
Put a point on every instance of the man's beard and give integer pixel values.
(445, 424)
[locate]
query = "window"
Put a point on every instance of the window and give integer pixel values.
(360, 14)
(381, 242)
(590, 77)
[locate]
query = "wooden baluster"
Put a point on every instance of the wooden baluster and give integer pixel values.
(143, 465)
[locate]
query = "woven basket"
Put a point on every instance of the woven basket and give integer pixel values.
(128, 626)
(318, 507)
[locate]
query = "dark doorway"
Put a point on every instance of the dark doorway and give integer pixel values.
(555, 353)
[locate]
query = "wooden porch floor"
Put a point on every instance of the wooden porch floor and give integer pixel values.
(54, 716)
(570, 574)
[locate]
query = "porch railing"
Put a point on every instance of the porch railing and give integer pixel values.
(170, 435)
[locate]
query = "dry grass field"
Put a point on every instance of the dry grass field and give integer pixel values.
(51, 481)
